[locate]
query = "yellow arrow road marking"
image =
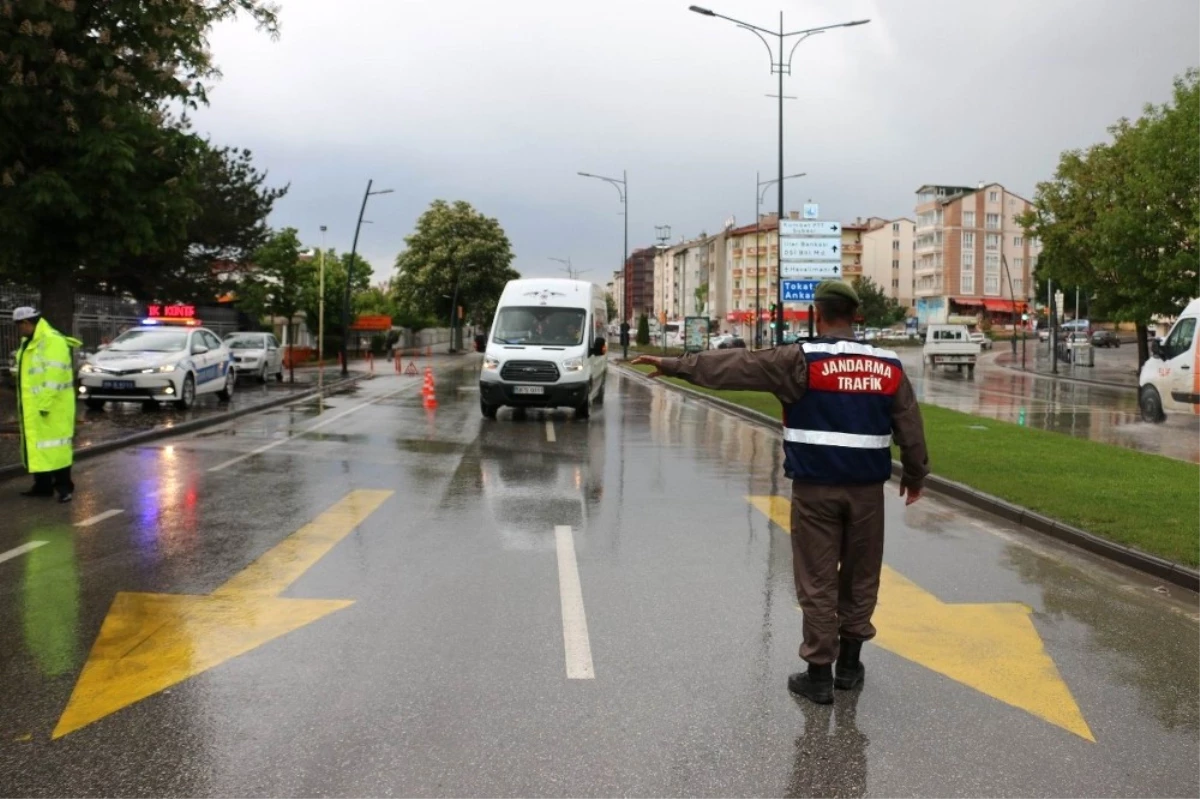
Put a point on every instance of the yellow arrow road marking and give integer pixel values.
(993, 648)
(149, 642)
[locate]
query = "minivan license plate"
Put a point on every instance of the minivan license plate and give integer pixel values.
(529, 390)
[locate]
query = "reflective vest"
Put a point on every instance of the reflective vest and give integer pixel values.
(46, 399)
(840, 431)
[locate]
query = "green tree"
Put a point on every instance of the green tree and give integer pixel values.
(643, 331)
(454, 246)
(93, 167)
(877, 308)
(279, 284)
(611, 306)
(1122, 219)
(701, 294)
(335, 291)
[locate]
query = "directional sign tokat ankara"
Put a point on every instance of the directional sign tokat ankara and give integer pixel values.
(149, 642)
(993, 648)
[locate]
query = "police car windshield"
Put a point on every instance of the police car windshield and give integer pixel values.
(150, 341)
(538, 326)
(246, 342)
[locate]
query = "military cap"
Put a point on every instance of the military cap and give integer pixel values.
(829, 289)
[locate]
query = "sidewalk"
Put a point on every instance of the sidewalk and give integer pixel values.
(1114, 367)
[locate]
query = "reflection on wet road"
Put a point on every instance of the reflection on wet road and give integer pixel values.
(398, 602)
(1096, 412)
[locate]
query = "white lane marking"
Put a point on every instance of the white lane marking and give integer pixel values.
(21, 550)
(306, 431)
(99, 517)
(574, 619)
(550, 431)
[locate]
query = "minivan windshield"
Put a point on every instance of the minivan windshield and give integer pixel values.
(540, 326)
(150, 341)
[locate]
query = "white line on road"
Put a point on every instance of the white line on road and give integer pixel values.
(550, 431)
(99, 517)
(575, 632)
(32, 545)
(306, 431)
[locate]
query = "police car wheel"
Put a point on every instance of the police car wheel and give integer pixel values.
(1150, 404)
(187, 394)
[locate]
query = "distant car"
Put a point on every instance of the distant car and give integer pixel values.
(982, 340)
(153, 364)
(720, 342)
(1105, 338)
(735, 343)
(256, 354)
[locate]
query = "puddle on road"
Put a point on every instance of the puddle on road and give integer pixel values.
(430, 446)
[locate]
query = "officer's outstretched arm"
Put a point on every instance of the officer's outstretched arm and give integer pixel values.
(780, 371)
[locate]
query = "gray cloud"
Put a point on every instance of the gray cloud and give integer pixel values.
(500, 104)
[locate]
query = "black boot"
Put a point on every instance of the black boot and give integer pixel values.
(850, 670)
(815, 685)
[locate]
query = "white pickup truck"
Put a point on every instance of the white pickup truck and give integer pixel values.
(951, 346)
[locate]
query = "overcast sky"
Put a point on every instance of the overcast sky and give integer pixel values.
(501, 103)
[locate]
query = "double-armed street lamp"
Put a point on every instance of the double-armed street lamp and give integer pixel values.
(781, 67)
(350, 277)
(622, 187)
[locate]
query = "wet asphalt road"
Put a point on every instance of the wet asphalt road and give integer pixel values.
(458, 669)
(1100, 413)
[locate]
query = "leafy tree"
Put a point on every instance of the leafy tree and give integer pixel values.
(611, 306)
(877, 308)
(93, 168)
(279, 283)
(454, 246)
(1122, 219)
(643, 331)
(701, 294)
(335, 290)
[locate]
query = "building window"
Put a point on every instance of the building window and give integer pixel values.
(1018, 241)
(1033, 263)
(925, 197)
(895, 227)
(991, 274)
(968, 219)
(968, 241)
(993, 196)
(895, 284)
(993, 241)
(968, 260)
(967, 281)
(895, 265)
(1018, 287)
(993, 221)
(1019, 263)
(895, 244)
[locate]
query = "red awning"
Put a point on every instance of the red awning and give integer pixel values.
(966, 301)
(1004, 306)
(376, 323)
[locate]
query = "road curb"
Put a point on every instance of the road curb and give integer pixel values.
(104, 447)
(1163, 569)
(1065, 378)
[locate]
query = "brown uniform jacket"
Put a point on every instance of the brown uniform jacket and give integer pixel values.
(783, 372)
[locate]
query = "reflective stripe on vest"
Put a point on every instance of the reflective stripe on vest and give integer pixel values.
(54, 442)
(828, 439)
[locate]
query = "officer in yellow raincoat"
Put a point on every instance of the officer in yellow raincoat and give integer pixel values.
(46, 404)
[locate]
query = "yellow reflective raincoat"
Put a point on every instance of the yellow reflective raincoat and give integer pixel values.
(46, 399)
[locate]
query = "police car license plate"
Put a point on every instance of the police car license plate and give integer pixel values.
(529, 390)
(117, 385)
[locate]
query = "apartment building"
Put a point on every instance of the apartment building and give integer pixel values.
(750, 248)
(690, 278)
(888, 258)
(639, 285)
(972, 257)
(852, 250)
(616, 288)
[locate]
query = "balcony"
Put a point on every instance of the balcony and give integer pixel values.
(737, 292)
(737, 252)
(851, 269)
(737, 273)
(852, 249)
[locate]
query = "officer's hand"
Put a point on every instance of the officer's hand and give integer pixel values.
(911, 494)
(649, 360)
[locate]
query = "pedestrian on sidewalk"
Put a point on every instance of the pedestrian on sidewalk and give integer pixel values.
(843, 403)
(625, 340)
(45, 404)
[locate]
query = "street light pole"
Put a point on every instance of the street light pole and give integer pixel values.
(622, 187)
(350, 277)
(662, 233)
(321, 318)
(781, 67)
(760, 191)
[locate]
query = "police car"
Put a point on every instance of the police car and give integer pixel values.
(157, 362)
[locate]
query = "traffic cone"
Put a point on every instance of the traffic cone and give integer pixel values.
(429, 391)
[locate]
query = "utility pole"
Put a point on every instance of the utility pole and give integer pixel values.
(321, 318)
(350, 277)
(662, 233)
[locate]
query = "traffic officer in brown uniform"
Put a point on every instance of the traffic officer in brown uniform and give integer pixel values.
(843, 404)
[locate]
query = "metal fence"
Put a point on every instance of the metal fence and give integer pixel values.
(98, 319)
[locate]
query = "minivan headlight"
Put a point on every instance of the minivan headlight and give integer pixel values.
(491, 364)
(573, 364)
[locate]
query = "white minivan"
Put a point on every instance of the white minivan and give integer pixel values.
(1170, 379)
(546, 348)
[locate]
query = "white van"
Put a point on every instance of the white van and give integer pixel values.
(547, 347)
(1170, 379)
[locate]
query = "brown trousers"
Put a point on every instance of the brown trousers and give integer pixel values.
(837, 555)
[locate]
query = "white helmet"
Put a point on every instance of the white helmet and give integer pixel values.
(24, 313)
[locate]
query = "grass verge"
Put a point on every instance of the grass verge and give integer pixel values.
(1143, 501)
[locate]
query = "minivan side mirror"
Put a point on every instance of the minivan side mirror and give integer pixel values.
(481, 343)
